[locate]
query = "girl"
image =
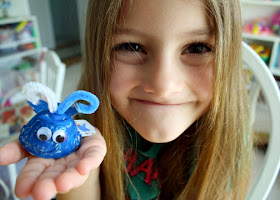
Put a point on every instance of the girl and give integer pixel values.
(173, 107)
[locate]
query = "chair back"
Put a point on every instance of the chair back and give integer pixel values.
(53, 72)
(267, 84)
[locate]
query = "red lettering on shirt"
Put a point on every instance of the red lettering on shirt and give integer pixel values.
(130, 158)
(146, 166)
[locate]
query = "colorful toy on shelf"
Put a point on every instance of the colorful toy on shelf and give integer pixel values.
(263, 52)
(24, 30)
(259, 26)
(52, 133)
(275, 23)
(17, 37)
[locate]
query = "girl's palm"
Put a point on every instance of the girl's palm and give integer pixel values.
(44, 178)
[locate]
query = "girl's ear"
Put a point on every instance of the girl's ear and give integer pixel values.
(42, 105)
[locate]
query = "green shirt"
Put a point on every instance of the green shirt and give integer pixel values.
(141, 167)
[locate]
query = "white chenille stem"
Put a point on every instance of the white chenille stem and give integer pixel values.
(30, 89)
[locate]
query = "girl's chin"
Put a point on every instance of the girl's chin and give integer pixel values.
(159, 136)
(159, 140)
(161, 128)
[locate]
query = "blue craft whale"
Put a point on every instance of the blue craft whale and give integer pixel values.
(55, 135)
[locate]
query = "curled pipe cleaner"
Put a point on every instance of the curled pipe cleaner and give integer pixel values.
(30, 89)
(81, 108)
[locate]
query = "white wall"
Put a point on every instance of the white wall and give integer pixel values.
(82, 13)
(251, 12)
(65, 21)
(19, 8)
(41, 9)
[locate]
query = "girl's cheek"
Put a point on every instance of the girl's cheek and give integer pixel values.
(199, 71)
(130, 58)
(122, 77)
(201, 80)
(115, 79)
(197, 61)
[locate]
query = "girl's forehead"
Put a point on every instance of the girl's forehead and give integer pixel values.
(164, 16)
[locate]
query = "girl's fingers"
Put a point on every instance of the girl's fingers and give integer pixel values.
(44, 178)
(88, 157)
(38, 178)
(92, 153)
(92, 158)
(12, 152)
(70, 179)
(28, 176)
(45, 187)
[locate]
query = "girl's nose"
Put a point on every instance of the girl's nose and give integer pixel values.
(163, 77)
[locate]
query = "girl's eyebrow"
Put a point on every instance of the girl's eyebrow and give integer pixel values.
(198, 32)
(131, 31)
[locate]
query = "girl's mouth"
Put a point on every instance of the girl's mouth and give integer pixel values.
(152, 103)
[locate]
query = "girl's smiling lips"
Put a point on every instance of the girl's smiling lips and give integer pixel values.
(157, 103)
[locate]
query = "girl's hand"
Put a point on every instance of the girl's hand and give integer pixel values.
(44, 178)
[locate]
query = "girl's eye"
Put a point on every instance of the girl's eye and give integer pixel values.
(198, 48)
(59, 136)
(197, 54)
(44, 134)
(130, 53)
(133, 47)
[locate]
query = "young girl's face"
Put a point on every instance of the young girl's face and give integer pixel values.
(162, 59)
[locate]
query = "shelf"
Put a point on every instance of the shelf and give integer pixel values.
(275, 71)
(17, 43)
(16, 20)
(261, 2)
(16, 55)
(268, 38)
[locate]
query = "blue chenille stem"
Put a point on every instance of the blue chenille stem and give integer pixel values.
(36, 117)
(41, 105)
(81, 108)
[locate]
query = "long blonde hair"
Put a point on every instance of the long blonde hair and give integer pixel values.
(220, 142)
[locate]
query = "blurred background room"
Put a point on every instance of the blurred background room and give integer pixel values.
(42, 40)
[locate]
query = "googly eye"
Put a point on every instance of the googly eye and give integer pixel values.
(44, 134)
(59, 136)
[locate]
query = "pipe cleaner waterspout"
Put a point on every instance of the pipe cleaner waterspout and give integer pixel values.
(52, 133)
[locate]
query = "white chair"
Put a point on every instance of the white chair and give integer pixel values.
(267, 84)
(53, 72)
(5, 189)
